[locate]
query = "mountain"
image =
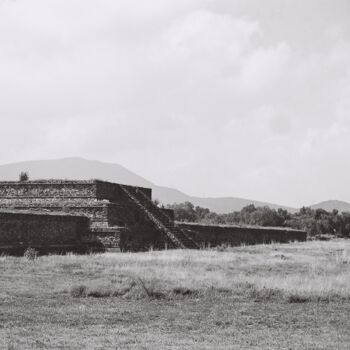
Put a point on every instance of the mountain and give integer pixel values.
(83, 169)
(72, 168)
(332, 204)
(217, 204)
(79, 168)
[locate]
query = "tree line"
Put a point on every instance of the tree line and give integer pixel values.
(317, 222)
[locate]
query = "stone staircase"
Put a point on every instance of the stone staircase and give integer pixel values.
(160, 219)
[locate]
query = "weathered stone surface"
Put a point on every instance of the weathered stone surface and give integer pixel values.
(214, 235)
(43, 231)
(108, 215)
(53, 188)
(68, 189)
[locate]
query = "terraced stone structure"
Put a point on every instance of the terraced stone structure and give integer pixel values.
(96, 215)
(120, 216)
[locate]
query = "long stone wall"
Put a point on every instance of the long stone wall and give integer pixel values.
(46, 232)
(210, 235)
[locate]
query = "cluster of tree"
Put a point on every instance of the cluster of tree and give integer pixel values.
(317, 222)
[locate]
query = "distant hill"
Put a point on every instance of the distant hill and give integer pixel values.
(332, 204)
(79, 168)
(217, 204)
(72, 168)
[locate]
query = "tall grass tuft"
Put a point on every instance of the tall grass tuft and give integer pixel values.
(31, 254)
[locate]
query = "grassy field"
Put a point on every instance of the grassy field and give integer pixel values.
(278, 296)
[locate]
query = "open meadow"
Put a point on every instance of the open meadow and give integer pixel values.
(277, 296)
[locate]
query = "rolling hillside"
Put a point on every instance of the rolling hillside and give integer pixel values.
(332, 204)
(79, 168)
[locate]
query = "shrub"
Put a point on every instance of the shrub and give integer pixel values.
(222, 248)
(265, 294)
(295, 298)
(30, 254)
(78, 291)
(23, 176)
(185, 291)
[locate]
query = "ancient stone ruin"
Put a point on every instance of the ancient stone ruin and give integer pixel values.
(94, 215)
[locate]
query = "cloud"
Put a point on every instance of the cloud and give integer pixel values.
(212, 97)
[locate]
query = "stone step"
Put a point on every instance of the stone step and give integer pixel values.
(160, 219)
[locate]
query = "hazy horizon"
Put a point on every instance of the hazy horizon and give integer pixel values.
(68, 169)
(215, 98)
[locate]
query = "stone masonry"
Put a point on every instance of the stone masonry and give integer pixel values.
(120, 216)
(107, 215)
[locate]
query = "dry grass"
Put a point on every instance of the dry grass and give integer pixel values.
(313, 270)
(275, 276)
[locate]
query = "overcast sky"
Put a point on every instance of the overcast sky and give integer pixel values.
(216, 98)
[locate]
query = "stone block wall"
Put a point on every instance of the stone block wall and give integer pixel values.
(114, 193)
(103, 202)
(51, 188)
(123, 214)
(210, 235)
(68, 189)
(55, 232)
(142, 237)
(112, 216)
(97, 212)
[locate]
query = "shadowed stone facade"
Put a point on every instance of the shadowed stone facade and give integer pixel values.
(112, 214)
(96, 215)
(46, 232)
(234, 235)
